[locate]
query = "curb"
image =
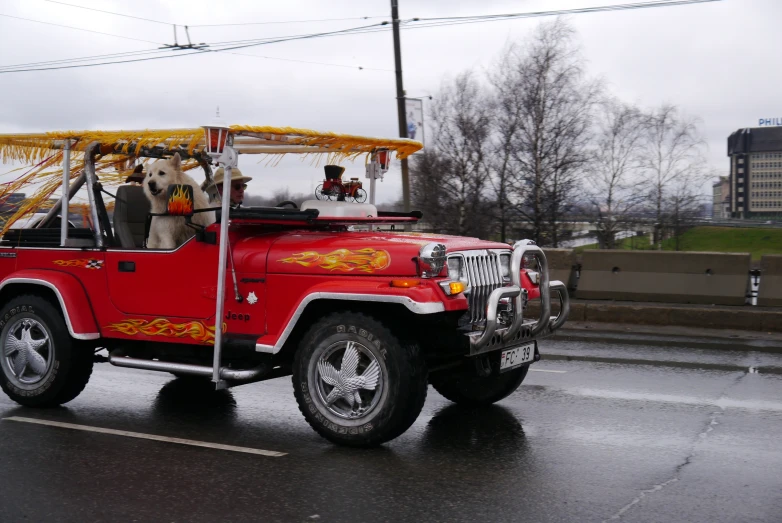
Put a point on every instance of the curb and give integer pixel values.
(671, 336)
(740, 318)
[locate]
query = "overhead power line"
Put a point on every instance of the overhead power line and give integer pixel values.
(101, 63)
(290, 21)
(107, 12)
(212, 25)
(224, 46)
(415, 23)
(231, 47)
(79, 29)
(86, 58)
(557, 12)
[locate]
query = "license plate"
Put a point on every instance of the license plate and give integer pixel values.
(516, 356)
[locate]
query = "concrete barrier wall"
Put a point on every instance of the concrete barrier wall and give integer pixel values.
(770, 292)
(562, 266)
(659, 276)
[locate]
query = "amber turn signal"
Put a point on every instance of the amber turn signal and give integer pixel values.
(405, 283)
(456, 287)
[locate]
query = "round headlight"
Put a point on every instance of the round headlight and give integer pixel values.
(431, 260)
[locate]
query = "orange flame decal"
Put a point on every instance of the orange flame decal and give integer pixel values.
(162, 327)
(364, 260)
(180, 203)
(83, 263)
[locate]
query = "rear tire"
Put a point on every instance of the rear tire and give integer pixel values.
(40, 364)
(478, 391)
(356, 384)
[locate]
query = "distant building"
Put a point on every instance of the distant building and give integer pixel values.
(721, 203)
(755, 185)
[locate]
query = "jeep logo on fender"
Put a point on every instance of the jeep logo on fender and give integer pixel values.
(233, 316)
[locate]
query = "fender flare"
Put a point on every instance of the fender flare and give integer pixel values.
(75, 306)
(330, 292)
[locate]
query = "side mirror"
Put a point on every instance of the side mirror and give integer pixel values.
(180, 200)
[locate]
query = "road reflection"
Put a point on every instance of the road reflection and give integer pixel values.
(190, 399)
(481, 428)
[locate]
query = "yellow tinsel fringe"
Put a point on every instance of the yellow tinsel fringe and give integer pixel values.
(42, 154)
(47, 177)
(34, 148)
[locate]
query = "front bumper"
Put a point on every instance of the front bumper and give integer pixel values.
(494, 337)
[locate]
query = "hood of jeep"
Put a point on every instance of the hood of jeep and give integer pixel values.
(359, 253)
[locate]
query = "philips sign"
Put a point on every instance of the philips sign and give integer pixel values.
(769, 121)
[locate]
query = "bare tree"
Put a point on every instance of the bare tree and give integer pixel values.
(460, 120)
(546, 104)
(613, 186)
(507, 107)
(429, 172)
(569, 158)
(672, 159)
(682, 207)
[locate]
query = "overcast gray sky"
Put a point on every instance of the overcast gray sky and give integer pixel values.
(717, 61)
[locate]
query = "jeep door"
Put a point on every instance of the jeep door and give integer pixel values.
(180, 283)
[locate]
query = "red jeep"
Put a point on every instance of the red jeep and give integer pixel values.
(363, 319)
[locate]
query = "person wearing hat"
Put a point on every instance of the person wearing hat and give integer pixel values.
(238, 186)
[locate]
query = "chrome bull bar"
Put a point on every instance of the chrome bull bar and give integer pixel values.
(479, 341)
(545, 324)
(564, 306)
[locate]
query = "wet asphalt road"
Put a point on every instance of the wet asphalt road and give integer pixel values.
(613, 432)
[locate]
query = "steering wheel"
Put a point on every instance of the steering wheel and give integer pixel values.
(287, 202)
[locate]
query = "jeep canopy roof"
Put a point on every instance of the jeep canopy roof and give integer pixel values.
(248, 139)
(42, 154)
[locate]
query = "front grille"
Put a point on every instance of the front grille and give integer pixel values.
(484, 275)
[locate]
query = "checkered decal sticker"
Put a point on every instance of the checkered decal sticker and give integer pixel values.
(89, 263)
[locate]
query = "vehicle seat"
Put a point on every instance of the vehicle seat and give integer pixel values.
(130, 215)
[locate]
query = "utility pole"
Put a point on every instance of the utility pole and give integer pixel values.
(400, 101)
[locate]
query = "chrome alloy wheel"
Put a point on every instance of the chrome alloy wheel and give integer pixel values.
(28, 352)
(349, 379)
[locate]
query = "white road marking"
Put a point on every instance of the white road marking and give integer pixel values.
(721, 402)
(152, 437)
(547, 370)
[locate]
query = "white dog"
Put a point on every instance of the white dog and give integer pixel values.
(168, 232)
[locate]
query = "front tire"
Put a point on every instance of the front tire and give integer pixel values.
(356, 384)
(40, 364)
(480, 391)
